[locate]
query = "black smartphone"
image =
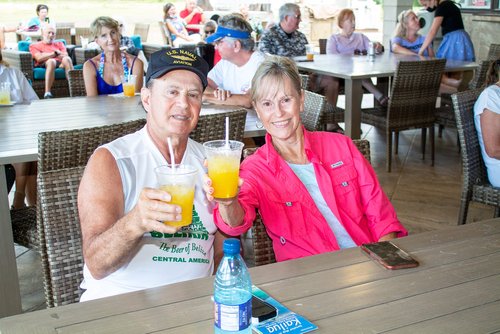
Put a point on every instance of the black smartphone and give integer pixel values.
(261, 310)
(390, 255)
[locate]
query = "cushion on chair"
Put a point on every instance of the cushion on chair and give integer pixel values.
(39, 73)
(137, 41)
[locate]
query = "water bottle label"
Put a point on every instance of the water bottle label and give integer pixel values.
(233, 317)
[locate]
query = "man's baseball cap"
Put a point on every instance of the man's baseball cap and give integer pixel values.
(164, 61)
(222, 32)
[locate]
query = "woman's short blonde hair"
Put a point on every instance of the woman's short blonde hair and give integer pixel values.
(103, 21)
(344, 14)
(276, 69)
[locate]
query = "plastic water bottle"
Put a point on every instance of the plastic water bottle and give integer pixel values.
(232, 292)
(371, 51)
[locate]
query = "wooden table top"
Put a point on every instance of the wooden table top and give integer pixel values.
(456, 289)
(362, 67)
(20, 124)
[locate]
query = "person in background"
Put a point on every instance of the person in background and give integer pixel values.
(209, 28)
(20, 88)
(102, 74)
(406, 38)
(3, 30)
(315, 191)
(487, 122)
(175, 27)
(127, 44)
(353, 43)
(126, 246)
(284, 39)
(41, 17)
(230, 80)
(193, 17)
(23, 173)
(50, 54)
(456, 43)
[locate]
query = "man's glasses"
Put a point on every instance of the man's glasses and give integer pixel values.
(358, 52)
(209, 32)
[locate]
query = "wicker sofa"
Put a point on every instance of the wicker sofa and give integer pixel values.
(23, 60)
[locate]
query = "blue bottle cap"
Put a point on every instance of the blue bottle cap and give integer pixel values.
(231, 246)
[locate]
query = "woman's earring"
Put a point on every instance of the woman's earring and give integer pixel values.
(258, 124)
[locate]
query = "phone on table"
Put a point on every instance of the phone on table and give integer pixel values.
(262, 310)
(389, 255)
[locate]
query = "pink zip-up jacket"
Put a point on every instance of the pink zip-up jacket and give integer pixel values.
(294, 223)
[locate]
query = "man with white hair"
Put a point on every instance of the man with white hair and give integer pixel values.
(230, 80)
(50, 54)
(284, 39)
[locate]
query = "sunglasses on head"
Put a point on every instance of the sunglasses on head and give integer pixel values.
(358, 52)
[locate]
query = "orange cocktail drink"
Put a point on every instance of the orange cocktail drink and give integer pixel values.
(184, 197)
(128, 84)
(179, 182)
(224, 166)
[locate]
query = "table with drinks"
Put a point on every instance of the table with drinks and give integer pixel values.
(354, 68)
(19, 128)
(454, 290)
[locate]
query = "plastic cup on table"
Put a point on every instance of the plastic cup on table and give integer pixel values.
(179, 181)
(224, 166)
(128, 83)
(5, 93)
(309, 52)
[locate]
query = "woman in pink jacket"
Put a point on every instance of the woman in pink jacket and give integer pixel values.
(314, 190)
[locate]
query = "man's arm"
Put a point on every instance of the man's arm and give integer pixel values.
(41, 57)
(109, 237)
(223, 97)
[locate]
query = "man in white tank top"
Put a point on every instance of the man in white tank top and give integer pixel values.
(126, 246)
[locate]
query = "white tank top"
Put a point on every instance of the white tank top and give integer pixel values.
(160, 259)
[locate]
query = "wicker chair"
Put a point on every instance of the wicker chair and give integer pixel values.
(63, 259)
(314, 108)
(167, 40)
(412, 104)
(83, 32)
(322, 46)
(65, 33)
(262, 244)
(494, 52)
(475, 184)
(67, 149)
(142, 29)
(23, 221)
(149, 48)
(82, 55)
(76, 83)
(24, 61)
(445, 116)
(212, 127)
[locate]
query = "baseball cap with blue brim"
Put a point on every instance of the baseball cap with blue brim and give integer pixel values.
(228, 32)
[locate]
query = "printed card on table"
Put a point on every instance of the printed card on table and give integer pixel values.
(285, 322)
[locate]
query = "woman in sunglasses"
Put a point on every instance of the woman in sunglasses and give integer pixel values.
(353, 43)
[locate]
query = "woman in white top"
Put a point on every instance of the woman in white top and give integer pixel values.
(487, 121)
